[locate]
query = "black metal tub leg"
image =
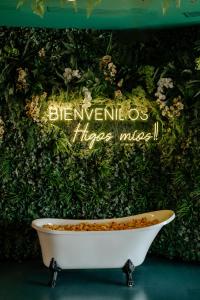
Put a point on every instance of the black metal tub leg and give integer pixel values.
(54, 268)
(128, 269)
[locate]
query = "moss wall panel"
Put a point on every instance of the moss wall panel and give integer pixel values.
(43, 175)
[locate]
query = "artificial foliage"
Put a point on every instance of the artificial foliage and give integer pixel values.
(43, 175)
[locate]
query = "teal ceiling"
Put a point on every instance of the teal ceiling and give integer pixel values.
(108, 14)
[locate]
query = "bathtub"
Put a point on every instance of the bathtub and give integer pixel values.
(125, 249)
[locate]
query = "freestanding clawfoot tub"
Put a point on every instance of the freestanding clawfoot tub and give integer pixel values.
(124, 249)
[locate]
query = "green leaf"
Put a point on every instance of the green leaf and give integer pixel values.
(39, 7)
(20, 3)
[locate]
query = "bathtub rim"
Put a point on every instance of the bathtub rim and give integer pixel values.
(39, 228)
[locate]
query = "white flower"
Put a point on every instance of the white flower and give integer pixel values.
(180, 105)
(21, 80)
(87, 98)
(160, 89)
(68, 74)
(111, 66)
(158, 94)
(21, 75)
(87, 94)
(112, 69)
(85, 89)
(162, 97)
(41, 52)
(165, 82)
(76, 73)
(120, 83)
(113, 73)
(86, 104)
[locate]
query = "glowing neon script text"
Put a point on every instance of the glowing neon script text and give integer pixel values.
(92, 137)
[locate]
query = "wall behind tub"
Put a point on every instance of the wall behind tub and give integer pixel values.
(40, 176)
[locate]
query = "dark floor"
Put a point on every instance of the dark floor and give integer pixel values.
(156, 279)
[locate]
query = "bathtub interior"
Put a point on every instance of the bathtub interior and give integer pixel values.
(163, 216)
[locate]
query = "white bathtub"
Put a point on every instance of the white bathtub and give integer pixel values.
(98, 249)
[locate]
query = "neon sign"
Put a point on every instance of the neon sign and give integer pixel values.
(63, 113)
(83, 118)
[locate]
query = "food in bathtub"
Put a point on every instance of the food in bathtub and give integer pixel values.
(86, 226)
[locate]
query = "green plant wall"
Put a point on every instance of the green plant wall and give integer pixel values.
(43, 175)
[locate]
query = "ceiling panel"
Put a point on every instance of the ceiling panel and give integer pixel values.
(108, 14)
